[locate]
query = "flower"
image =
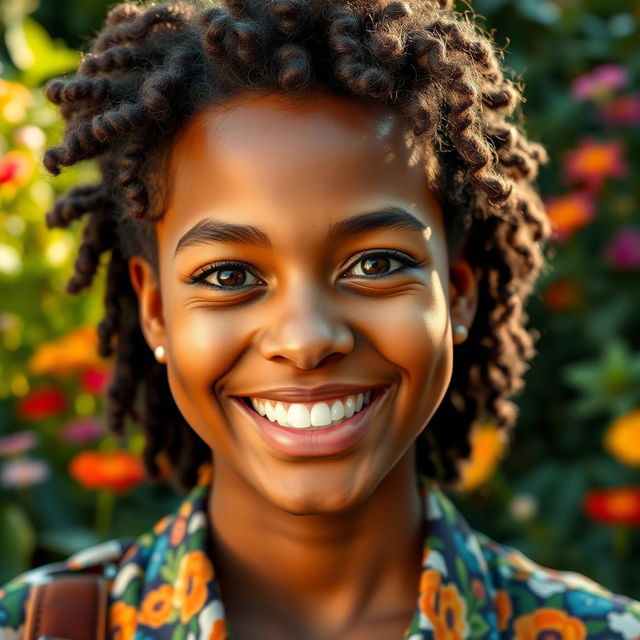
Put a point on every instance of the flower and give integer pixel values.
(94, 380)
(523, 507)
(622, 438)
(122, 620)
(157, 606)
(620, 505)
(599, 83)
(218, 632)
(82, 430)
(443, 606)
(44, 402)
(14, 100)
(77, 350)
(623, 251)
(622, 111)
(18, 442)
(16, 168)
(547, 622)
(569, 213)
(117, 471)
(503, 607)
(30, 136)
(194, 573)
(564, 294)
(487, 447)
(24, 472)
(592, 162)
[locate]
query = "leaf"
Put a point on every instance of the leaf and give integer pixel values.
(35, 53)
(18, 536)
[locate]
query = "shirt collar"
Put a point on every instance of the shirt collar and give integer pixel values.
(166, 578)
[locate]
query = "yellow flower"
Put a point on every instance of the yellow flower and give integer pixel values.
(487, 447)
(14, 100)
(74, 351)
(622, 438)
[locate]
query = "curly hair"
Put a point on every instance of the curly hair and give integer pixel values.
(152, 67)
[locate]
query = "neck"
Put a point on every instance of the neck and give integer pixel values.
(326, 571)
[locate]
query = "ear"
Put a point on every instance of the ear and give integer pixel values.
(147, 288)
(463, 293)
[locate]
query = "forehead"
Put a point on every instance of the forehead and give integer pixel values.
(279, 153)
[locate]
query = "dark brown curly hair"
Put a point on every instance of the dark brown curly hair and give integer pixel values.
(153, 67)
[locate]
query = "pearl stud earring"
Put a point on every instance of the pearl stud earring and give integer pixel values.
(460, 334)
(159, 354)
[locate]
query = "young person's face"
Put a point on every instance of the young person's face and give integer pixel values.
(303, 260)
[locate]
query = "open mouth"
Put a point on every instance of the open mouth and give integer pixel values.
(311, 416)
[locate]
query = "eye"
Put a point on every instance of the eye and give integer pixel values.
(377, 264)
(226, 275)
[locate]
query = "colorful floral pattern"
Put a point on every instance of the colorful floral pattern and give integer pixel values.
(163, 586)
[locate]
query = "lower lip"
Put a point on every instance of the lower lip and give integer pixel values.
(303, 443)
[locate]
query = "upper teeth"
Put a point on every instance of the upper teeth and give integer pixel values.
(311, 414)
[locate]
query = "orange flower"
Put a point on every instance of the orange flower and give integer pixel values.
(122, 621)
(194, 573)
(549, 622)
(16, 168)
(569, 213)
(157, 607)
(503, 607)
(77, 350)
(117, 471)
(592, 162)
(620, 505)
(205, 473)
(487, 447)
(443, 606)
(14, 100)
(564, 294)
(218, 632)
(622, 438)
(178, 530)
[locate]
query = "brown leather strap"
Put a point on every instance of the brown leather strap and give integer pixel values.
(70, 607)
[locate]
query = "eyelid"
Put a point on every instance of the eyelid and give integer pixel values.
(204, 272)
(401, 256)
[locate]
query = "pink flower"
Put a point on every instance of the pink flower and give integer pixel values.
(593, 162)
(18, 442)
(82, 430)
(599, 83)
(24, 472)
(623, 251)
(622, 111)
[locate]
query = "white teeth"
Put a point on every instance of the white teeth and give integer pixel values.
(320, 415)
(281, 415)
(349, 407)
(337, 410)
(270, 411)
(298, 416)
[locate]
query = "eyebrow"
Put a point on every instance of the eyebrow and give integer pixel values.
(209, 230)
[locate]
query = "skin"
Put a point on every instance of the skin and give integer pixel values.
(324, 546)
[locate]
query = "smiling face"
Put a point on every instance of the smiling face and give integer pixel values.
(303, 262)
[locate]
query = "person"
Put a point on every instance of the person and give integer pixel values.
(323, 226)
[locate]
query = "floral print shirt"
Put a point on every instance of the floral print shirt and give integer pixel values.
(163, 586)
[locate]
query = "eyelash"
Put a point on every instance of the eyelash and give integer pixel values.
(407, 262)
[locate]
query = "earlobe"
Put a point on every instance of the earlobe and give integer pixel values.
(463, 293)
(150, 310)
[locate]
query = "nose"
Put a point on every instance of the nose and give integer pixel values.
(307, 329)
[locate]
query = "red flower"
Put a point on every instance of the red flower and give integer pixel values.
(620, 505)
(44, 402)
(117, 471)
(593, 162)
(564, 294)
(622, 111)
(15, 168)
(94, 380)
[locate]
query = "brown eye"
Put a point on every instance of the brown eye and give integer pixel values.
(231, 277)
(375, 265)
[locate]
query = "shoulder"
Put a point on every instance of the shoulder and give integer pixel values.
(532, 600)
(14, 595)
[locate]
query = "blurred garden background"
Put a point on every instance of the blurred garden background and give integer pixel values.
(568, 492)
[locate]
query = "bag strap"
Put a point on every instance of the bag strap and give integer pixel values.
(69, 607)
